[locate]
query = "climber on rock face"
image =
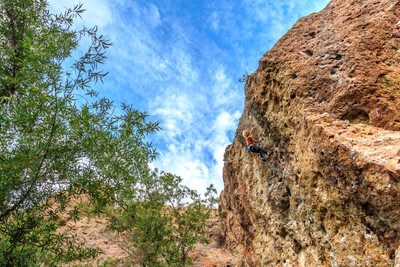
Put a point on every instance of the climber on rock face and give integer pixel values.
(251, 144)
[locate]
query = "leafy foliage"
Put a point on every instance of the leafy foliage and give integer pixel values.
(51, 147)
(164, 221)
(59, 139)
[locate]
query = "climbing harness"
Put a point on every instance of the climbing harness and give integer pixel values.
(248, 147)
(301, 201)
(250, 144)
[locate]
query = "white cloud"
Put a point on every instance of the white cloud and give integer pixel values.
(174, 110)
(153, 16)
(214, 20)
(198, 124)
(183, 162)
(222, 89)
(224, 123)
(183, 74)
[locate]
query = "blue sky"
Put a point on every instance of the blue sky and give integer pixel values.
(181, 61)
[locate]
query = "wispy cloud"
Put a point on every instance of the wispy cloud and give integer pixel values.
(214, 20)
(198, 127)
(180, 60)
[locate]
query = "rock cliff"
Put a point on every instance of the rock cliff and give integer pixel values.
(326, 98)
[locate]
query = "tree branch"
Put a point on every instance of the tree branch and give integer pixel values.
(34, 180)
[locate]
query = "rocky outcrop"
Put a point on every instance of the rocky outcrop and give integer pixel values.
(326, 97)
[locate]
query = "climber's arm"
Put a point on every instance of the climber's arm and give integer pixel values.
(254, 140)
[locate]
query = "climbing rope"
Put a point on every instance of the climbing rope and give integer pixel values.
(301, 201)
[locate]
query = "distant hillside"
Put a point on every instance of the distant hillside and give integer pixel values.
(94, 231)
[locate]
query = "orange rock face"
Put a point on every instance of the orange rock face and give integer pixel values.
(327, 98)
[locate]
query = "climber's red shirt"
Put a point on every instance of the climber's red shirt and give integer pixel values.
(250, 141)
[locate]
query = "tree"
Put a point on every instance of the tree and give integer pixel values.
(164, 220)
(53, 148)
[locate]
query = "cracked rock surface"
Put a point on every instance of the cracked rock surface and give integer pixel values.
(326, 98)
